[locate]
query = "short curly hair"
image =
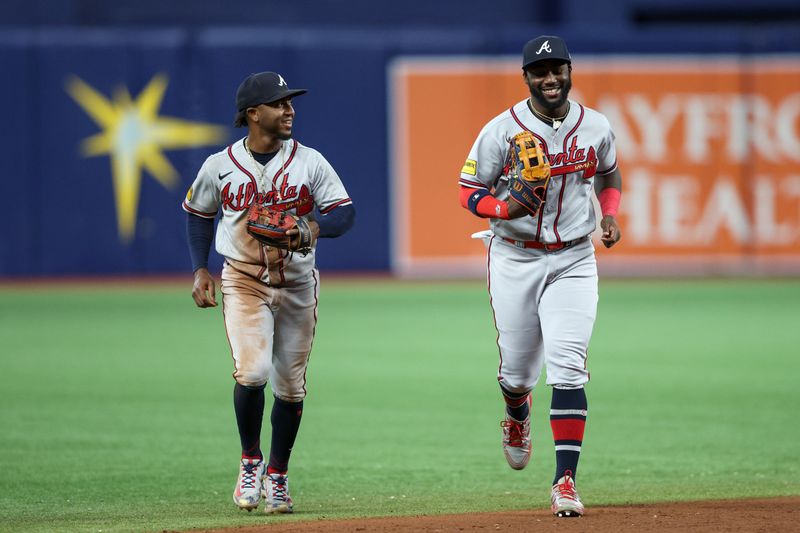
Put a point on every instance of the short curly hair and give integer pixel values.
(240, 120)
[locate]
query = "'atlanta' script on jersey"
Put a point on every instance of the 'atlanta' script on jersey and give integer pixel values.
(573, 160)
(283, 198)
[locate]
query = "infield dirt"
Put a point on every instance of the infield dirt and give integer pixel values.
(758, 515)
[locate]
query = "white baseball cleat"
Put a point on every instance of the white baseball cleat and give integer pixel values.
(247, 492)
(564, 498)
(517, 440)
(276, 494)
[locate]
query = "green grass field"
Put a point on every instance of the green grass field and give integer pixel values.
(116, 404)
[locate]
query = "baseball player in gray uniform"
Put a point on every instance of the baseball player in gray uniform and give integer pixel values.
(269, 294)
(542, 273)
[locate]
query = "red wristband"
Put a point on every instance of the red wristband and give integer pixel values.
(609, 201)
(491, 207)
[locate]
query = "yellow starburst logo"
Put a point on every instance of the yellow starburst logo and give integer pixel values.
(135, 136)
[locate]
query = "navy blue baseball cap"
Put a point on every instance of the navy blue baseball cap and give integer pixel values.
(545, 47)
(263, 88)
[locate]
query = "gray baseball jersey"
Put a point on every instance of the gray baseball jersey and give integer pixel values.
(297, 179)
(582, 146)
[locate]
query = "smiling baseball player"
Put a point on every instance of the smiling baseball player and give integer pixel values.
(533, 171)
(275, 197)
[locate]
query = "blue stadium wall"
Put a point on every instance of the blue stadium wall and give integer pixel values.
(61, 213)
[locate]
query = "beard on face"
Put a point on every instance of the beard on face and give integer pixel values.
(277, 130)
(550, 105)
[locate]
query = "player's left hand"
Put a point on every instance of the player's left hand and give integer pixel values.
(294, 234)
(611, 233)
(529, 173)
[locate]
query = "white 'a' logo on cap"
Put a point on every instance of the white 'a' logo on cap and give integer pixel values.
(282, 82)
(546, 47)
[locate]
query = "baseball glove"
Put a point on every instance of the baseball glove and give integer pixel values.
(269, 226)
(529, 172)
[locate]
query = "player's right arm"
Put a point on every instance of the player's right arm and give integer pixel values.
(201, 205)
(200, 233)
(481, 203)
(483, 167)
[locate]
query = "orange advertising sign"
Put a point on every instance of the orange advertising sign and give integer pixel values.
(708, 148)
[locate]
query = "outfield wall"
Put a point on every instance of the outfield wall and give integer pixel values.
(106, 128)
(708, 145)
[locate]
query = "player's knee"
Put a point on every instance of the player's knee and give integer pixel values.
(567, 378)
(513, 390)
(289, 388)
(288, 392)
(250, 381)
(567, 386)
(295, 397)
(252, 375)
(518, 382)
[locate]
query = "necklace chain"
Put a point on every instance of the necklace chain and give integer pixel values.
(262, 169)
(555, 121)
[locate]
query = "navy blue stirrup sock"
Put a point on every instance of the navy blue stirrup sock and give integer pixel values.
(248, 402)
(567, 419)
(285, 424)
(516, 404)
